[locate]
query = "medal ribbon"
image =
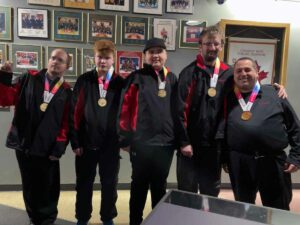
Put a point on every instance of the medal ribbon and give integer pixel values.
(215, 76)
(103, 87)
(162, 84)
(49, 95)
(248, 106)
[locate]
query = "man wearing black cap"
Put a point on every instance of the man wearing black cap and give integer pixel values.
(147, 127)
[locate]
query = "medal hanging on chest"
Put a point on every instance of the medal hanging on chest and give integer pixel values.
(48, 95)
(103, 87)
(162, 84)
(212, 91)
(246, 114)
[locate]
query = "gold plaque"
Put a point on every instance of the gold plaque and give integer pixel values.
(212, 92)
(246, 115)
(43, 107)
(162, 93)
(102, 102)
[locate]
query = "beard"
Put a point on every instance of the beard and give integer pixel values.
(211, 56)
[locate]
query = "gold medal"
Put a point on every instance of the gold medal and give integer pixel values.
(102, 102)
(43, 107)
(162, 93)
(212, 92)
(246, 115)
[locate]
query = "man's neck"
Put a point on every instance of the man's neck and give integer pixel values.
(52, 76)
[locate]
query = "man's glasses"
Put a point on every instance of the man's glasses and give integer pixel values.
(59, 60)
(210, 44)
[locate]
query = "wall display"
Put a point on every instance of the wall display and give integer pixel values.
(134, 30)
(166, 30)
(189, 34)
(147, 6)
(26, 57)
(3, 54)
(116, 5)
(128, 61)
(102, 27)
(72, 71)
(32, 23)
(5, 23)
(80, 4)
(180, 6)
(88, 60)
(261, 50)
(44, 2)
(67, 26)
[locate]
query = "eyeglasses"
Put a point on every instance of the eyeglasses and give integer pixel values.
(59, 60)
(210, 44)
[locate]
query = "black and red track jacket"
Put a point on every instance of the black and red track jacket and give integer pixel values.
(93, 127)
(146, 118)
(199, 113)
(33, 131)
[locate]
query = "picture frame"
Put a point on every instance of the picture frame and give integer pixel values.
(88, 60)
(3, 53)
(26, 57)
(148, 7)
(83, 4)
(180, 6)
(134, 30)
(189, 33)
(32, 23)
(114, 5)
(67, 26)
(71, 73)
(166, 30)
(44, 2)
(102, 27)
(5, 23)
(128, 61)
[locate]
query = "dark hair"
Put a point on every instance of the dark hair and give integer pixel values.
(254, 64)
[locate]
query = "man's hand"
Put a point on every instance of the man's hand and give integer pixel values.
(53, 158)
(7, 67)
(290, 168)
(78, 151)
(187, 151)
(281, 93)
(126, 149)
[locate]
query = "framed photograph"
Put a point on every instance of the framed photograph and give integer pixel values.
(115, 5)
(44, 2)
(148, 6)
(67, 26)
(71, 73)
(26, 57)
(3, 54)
(128, 61)
(134, 30)
(80, 4)
(102, 27)
(189, 33)
(166, 30)
(180, 6)
(33, 23)
(88, 60)
(5, 23)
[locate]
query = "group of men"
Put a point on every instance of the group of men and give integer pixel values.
(151, 113)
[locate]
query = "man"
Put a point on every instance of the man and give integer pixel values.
(202, 87)
(147, 127)
(258, 127)
(93, 134)
(39, 132)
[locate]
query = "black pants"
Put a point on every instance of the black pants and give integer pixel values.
(150, 168)
(41, 187)
(108, 161)
(249, 175)
(201, 172)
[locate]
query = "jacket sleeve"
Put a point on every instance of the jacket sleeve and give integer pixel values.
(128, 113)
(62, 138)
(76, 114)
(185, 91)
(8, 92)
(293, 130)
